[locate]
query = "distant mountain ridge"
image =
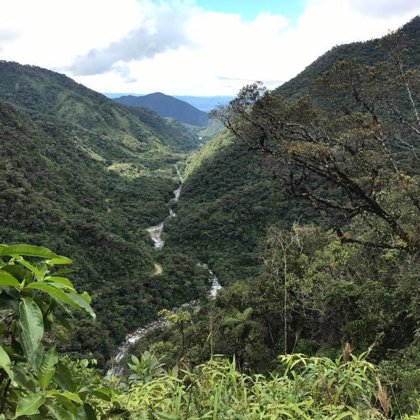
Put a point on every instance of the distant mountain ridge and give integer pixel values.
(45, 94)
(167, 106)
(367, 52)
(202, 103)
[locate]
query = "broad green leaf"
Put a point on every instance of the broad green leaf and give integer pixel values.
(65, 394)
(60, 282)
(86, 297)
(7, 279)
(63, 378)
(31, 329)
(43, 268)
(5, 363)
(23, 380)
(39, 274)
(60, 413)
(89, 412)
(67, 404)
(28, 250)
(80, 300)
(59, 260)
(54, 292)
(101, 393)
(47, 369)
(17, 271)
(29, 405)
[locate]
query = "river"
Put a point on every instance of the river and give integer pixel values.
(131, 339)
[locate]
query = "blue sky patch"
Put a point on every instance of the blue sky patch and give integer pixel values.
(250, 9)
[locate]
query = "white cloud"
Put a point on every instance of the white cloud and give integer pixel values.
(175, 47)
(7, 36)
(385, 8)
(53, 32)
(161, 28)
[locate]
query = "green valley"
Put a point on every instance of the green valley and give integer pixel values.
(86, 176)
(264, 266)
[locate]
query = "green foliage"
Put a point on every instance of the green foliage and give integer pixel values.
(86, 176)
(315, 153)
(401, 373)
(146, 368)
(34, 382)
(348, 382)
(227, 202)
(321, 389)
(312, 295)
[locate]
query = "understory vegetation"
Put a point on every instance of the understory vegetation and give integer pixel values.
(37, 382)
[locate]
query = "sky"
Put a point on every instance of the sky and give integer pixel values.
(187, 47)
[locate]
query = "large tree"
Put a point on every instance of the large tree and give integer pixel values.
(354, 154)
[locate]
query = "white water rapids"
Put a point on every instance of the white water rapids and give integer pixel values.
(132, 338)
(155, 232)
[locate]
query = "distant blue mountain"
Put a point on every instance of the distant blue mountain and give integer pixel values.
(167, 106)
(203, 103)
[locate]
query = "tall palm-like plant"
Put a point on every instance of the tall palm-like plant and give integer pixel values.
(243, 329)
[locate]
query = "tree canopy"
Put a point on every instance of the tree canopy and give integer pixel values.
(355, 160)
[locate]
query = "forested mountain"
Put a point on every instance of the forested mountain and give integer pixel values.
(368, 52)
(85, 176)
(254, 196)
(306, 208)
(227, 203)
(309, 206)
(167, 106)
(54, 97)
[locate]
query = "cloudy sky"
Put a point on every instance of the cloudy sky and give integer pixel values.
(187, 47)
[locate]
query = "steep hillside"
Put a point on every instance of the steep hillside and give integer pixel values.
(167, 106)
(321, 301)
(352, 275)
(226, 205)
(86, 176)
(369, 52)
(122, 131)
(230, 197)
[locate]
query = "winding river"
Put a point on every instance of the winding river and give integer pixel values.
(155, 233)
